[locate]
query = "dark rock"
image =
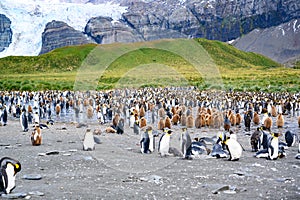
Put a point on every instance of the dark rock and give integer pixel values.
(52, 153)
(59, 34)
(104, 31)
(4, 144)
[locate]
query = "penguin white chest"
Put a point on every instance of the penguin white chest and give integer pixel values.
(88, 142)
(234, 148)
(10, 178)
(273, 150)
(164, 145)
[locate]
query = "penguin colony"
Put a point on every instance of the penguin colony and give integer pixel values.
(154, 112)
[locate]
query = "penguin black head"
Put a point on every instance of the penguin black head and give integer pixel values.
(7, 160)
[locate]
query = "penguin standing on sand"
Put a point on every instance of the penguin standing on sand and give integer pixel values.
(4, 116)
(164, 142)
(24, 121)
(8, 169)
(36, 136)
(185, 143)
(234, 148)
(145, 142)
(88, 141)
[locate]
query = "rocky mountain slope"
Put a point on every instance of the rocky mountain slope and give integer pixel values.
(144, 20)
(281, 43)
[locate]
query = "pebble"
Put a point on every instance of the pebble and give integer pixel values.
(52, 152)
(32, 177)
(152, 179)
(36, 193)
(41, 154)
(73, 150)
(14, 195)
(4, 144)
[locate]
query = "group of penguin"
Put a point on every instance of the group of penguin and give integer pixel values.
(108, 104)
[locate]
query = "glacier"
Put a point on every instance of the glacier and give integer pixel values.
(29, 18)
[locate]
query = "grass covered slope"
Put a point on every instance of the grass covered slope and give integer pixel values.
(58, 69)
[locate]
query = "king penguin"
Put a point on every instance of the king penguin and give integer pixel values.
(145, 142)
(88, 141)
(164, 142)
(24, 121)
(290, 138)
(8, 169)
(272, 150)
(185, 143)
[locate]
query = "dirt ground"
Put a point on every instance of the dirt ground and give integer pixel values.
(117, 170)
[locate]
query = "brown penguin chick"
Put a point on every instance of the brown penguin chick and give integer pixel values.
(161, 113)
(232, 119)
(36, 136)
(299, 121)
(142, 112)
(208, 120)
(143, 122)
(238, 119)
(57, 109)
(85, 102)
(29, 109)
(161, 124)
(175, 119)
(168, 123)
(110, 130)
(173, 110)
(268, 123)
(198, 121)
(256, 119)
(89, 112)
(116, 120)
(183, 120)
(273, 111)
(190, 121)
(280, 121)
(227, 123)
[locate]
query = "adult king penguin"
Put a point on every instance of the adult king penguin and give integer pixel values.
(8, 169)
(24, 121)
(185, 143)
(147, 141)
(164, 142)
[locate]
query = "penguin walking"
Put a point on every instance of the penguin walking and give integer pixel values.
(164, 142)
(8, 169)
(24, 121)
(36, 135)
(185, 143)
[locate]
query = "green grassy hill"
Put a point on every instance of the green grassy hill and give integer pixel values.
(58, 69)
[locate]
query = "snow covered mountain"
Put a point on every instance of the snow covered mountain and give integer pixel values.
(29, 18)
